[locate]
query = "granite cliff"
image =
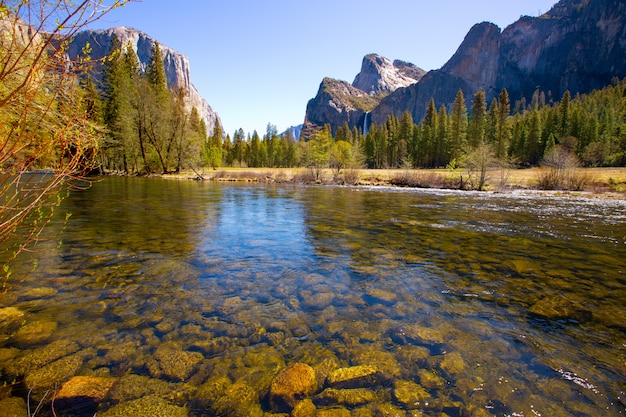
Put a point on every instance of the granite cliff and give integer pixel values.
(579, 45)
(338, 102)
(176, 64)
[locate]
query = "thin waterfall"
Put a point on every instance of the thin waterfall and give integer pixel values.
(365, 126)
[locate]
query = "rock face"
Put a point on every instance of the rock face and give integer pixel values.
(378, 74)
(176, 64)
(577, 46)
(338, 102)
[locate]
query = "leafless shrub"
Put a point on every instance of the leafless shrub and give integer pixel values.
(562, 171)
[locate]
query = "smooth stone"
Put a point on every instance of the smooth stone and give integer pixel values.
(35, 333)
(560, 308)
(304, 408)
(453, 363)
(291, 385)
(238, 400)
(174, 364)
(347, 397)
(409, 394)
(53, 373)
(334, 412)
(151, 405)
(362, 376)
(10, 317)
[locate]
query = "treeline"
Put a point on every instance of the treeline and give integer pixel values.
(148, 126)
(592, 127)
(149, 129)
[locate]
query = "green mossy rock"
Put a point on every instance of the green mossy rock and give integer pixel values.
(560, 308)
(239, 399)
(35, 333)
(334, 412)
(304, 408)
(431, 380)
(347, 397)
(362, 376)
(53, 373)
(13, 407)
(409, 394)
(453, 363)
(10, 317)
(152, 406)
(175, 364)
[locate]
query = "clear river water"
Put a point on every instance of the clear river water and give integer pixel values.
(195, 295)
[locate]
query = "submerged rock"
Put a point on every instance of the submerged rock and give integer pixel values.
(304, 408)
(334, 412)
(362, 376)
(82, 394)
(35, 333)
(151, 405)
(409, 394)
(175, 364)
(55, 372)
(431, 380)
(13, 407)
(131, 387)
(291, 385)
(413, 334)
(86, 387)
(381, 296)
(10, 317)
(560, 308)
(238, 399)
(453, 363)
(347, 397)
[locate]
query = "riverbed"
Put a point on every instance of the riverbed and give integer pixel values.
(192, 297)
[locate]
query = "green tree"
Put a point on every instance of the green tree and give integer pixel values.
(564, 115)
(405, 137)
(155, 114)
(458, 127)
(213, 147)
(477, 120)
(320, 145)
(503, 130)
(44, 121)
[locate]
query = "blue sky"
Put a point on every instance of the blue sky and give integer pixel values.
(258, 62)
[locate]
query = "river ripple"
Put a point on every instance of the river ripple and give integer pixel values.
(196, 295)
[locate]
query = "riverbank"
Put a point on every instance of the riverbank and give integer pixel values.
(591, 181)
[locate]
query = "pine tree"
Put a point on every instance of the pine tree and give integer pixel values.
(405, 136)
(429, 135)
(491, 124)
(504, 132)
(476, 128)
(564, 115)
(458, 127)
(155, 73)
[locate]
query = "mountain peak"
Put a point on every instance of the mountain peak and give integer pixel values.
(176, 64)
(380, 75)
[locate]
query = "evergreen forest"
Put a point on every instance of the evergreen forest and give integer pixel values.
(148, 129)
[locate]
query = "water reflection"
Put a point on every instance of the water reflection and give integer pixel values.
(195, 296)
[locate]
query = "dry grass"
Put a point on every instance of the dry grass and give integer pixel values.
(599, 180)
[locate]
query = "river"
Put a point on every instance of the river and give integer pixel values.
(195, 295)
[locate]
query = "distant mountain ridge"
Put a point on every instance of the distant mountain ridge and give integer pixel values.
(338, 102)
(579, 45)
(176, 64)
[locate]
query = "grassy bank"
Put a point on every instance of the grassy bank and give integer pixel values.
(596, 180)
